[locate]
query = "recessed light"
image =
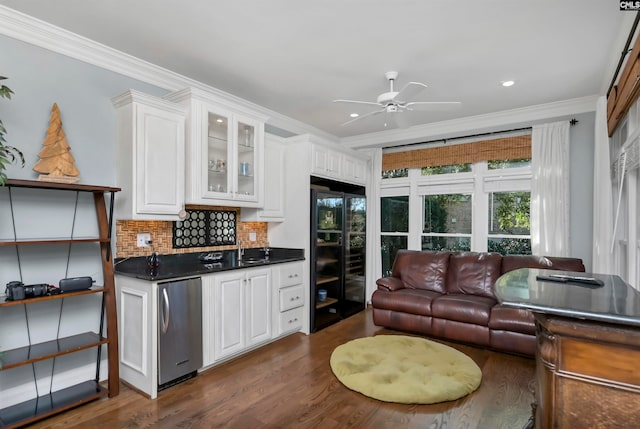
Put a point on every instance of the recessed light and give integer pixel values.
(219, 120)
(354, 115)
(507, 83)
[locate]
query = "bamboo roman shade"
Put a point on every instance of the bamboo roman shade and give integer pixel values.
(513, 147)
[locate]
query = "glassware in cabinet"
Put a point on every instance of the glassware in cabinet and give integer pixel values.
(217, 153)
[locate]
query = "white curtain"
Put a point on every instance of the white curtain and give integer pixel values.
(550, 189)
(602, 194)
(374, 257)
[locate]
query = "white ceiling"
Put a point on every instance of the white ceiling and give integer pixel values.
(294, 57)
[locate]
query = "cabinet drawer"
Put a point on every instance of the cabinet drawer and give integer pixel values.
(291, 297)
(291, 275)
(291, 320)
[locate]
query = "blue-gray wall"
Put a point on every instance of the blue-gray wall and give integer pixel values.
(39, 78)
(581, 152)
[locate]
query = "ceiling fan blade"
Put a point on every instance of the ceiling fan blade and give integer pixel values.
(375, 112)
(356, 102)
(432, 105)
(409, 91)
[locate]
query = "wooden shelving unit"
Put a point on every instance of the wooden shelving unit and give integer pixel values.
(55, 402)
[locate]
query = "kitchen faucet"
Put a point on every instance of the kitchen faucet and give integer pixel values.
(240, 250)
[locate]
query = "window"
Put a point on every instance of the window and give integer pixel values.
(394, 227)
(447, 220)
(471, 196)
(391, 174)
(509, 223)
(508, 163)
(446, 169)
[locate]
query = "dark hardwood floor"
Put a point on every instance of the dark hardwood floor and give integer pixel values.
(289, 384)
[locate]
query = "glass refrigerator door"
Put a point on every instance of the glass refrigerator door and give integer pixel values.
(354, 254)
(328, 256)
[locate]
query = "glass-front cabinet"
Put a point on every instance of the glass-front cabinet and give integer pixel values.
(225, 152)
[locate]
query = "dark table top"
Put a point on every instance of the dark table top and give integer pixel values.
(190, 264)
(614, 302)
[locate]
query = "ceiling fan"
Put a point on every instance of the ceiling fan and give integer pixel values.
(393, 102)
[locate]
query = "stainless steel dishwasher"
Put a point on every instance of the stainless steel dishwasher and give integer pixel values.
(179, 331)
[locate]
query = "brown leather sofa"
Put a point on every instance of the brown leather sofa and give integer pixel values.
(450, 295)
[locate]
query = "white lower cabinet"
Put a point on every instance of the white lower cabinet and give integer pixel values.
(208, 320)
(241, 312)
(290, 298)
(137, 302)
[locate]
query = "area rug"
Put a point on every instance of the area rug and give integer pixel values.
(409, 370)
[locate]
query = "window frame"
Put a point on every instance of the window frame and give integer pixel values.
(479, 183)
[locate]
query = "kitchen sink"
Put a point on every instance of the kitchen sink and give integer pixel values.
(253, 260)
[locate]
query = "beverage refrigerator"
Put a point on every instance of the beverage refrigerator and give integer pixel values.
(338, 246)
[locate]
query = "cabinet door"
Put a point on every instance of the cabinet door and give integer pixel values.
(258, 306)
(274, 180)
(136, 300)
(208, 320)
(160, 155)
(248, 135)
(354, 170)
(217, 155)
(326, 162)
(229, 315)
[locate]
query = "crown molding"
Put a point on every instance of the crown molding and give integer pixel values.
(26, 28)
(495, 121)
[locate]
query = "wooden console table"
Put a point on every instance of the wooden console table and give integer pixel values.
(588, 348)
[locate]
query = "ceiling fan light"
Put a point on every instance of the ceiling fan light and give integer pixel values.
(508, 83)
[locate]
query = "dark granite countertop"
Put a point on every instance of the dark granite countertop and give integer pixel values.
(614, 302)
(190, 264)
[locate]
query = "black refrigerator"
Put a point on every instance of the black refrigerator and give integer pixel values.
(338, 246)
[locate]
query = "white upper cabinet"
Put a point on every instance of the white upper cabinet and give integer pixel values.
(224, 150)
(150, 157)
(337, 164)
(274, 184)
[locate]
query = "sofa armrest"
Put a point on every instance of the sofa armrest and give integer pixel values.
(389, 283)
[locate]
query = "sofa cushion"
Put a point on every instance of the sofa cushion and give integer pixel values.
(460, 331)
(463, 308)
(412, 301)
(473, 273)
(421, 270)
(389, 283)
(513, 262)
(512, 319)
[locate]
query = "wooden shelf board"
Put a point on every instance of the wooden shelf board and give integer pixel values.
(325, 261)
(52, 403)
(327, 302)
(327, 243)
(95, 289)
(36, 184)
(49, 349)
(27, 241)
(323, 280)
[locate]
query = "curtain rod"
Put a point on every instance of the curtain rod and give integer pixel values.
(445, 140)
(624, 53)
(572, 122)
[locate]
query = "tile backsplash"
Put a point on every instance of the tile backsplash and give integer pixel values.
(161, 235)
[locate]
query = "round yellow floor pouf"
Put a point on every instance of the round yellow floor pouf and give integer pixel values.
(409, 370)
